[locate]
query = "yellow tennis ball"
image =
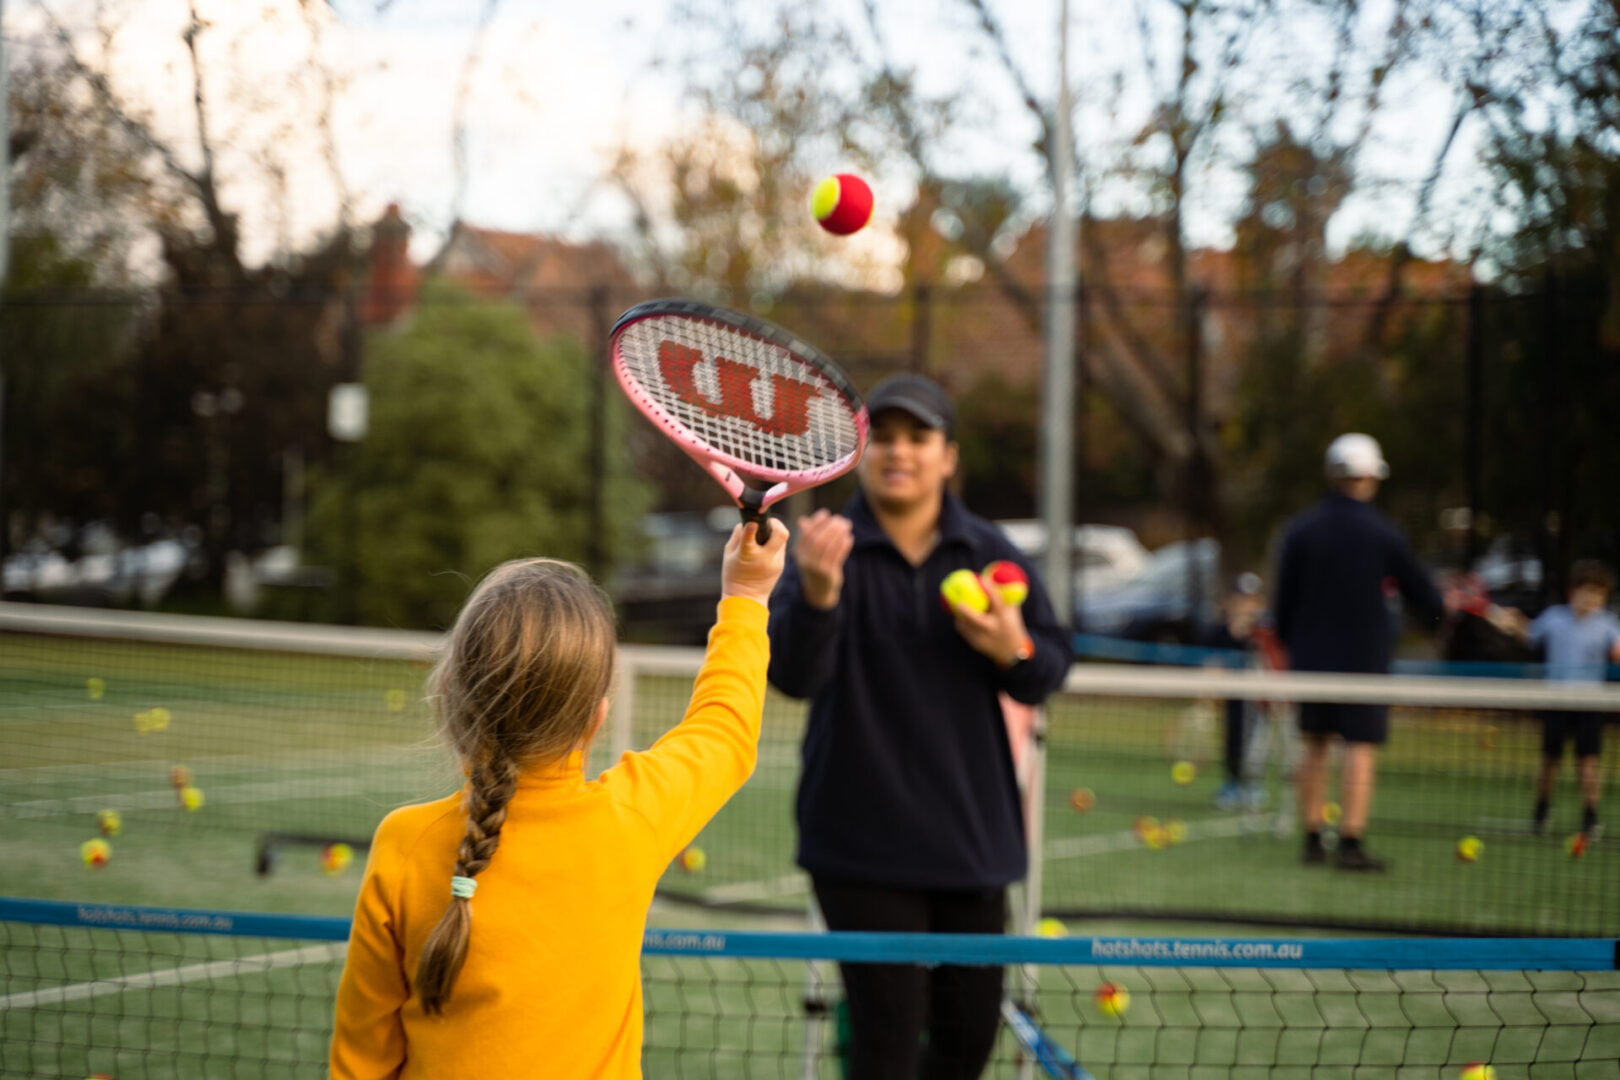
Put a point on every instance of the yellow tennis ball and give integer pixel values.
(191, 798)
(1112, 1000)
(160, 718)
(692, 859)
(95, 688)
(1469, 848)
(95, 853)
(963, 589)
(110, 822)
(335, 858)
(395, 700)
(1183, 772)
(1051, 928)
(1331, 813)
(1156, 837)
(1478, 1071)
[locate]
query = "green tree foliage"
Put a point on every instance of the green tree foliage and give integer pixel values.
(478, 451)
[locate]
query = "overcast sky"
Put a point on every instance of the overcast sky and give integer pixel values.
(561, 83)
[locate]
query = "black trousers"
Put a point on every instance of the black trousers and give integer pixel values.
(892, 1005)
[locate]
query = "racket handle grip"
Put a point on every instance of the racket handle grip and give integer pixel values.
(763, 534)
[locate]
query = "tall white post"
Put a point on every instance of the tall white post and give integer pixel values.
(1057, 399)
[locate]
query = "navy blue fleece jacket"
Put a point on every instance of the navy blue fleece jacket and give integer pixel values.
(908, 776)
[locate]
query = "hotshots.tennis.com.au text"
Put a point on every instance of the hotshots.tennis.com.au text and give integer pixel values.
(1162, 949)
(152, 919)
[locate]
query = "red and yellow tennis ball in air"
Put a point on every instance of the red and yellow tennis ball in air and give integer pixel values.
(1576, 845)
(110, 822)
(1112, 999)
(963, 589)
(1082, 799)
(1183, 772)
(191, 798)
(335, 858)
(95, 853)
(1469, 848)
(692, 859)
(1477, 1071)
(1009, 579)
(842, 204)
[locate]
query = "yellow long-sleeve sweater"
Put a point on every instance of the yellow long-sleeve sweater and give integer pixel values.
(552, 983)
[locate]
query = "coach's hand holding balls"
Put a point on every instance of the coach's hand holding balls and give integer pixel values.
(825, 541)
(998, 631)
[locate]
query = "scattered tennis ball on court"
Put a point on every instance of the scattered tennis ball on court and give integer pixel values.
(962, 588)
(692, 859)
(1478, 1071)
(1112, 999)
(180, 777)
(150, 720)
(1487, 737)
(110, 822)
(1144, 825)
(1469, 848)
(191, 797)
(1082, 799)
(335, 858)
(1331, 813)
(1156, 838)
(95, 853)
(842, 204)
(1183, 772)
(95, 688)
(1009, 579)
(1050, 927)
(395, 700)
(1576, 845)
(160, 718)
(1175, 832)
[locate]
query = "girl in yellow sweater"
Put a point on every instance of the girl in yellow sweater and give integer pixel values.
(540, 974)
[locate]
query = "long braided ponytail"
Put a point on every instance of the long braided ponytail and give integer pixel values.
(524, 668)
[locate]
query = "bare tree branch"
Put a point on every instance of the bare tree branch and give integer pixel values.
(469, 65)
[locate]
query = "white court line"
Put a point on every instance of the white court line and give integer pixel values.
(1074, 847)
(1106, 843)
(214, 969)
(138, 766)
(264, 791)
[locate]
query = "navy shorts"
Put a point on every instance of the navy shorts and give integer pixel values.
(1559, 727)
(1352, 723)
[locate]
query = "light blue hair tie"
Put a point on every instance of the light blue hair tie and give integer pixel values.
(463, 887)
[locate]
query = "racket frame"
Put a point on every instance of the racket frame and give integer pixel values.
(754, 488)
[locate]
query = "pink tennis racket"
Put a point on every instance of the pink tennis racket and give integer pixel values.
(763, 411)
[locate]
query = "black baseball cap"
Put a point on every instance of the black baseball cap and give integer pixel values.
(917, 396)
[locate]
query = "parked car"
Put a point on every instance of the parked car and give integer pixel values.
(1104, 556)
(1155, 604)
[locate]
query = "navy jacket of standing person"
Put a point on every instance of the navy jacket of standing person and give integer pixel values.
(908, 812)
(908, 776)
(1332, 616)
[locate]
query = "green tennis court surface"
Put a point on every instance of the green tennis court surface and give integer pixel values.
(325, 745)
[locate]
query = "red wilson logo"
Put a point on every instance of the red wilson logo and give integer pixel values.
(790, 414)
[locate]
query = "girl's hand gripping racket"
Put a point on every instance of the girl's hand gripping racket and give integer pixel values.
(763, 411)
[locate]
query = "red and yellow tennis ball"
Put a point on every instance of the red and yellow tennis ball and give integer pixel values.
(842, 204)
(693, 860)
(1144, 825)
(1469, 848)
(1477, 1071)
(1112, 999)
(1576, 845)
(95, 853)
(1331, 813)
(963, 589)
(110, 822)
(1009, 579)
(1082, 799)
(1183, 772)
(180, 777)
(191, 797)
(335, 858)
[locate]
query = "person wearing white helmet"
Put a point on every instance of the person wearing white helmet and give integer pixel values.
(1332, 616)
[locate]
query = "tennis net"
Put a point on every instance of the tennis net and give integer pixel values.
(143, 992)
(298, 737)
